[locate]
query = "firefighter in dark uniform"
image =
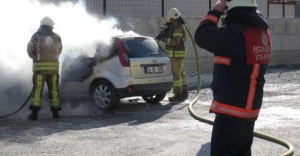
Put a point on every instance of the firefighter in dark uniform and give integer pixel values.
(242, 50)
(44, 48)
(175, 46)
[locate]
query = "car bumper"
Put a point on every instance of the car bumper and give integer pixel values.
(144, 89)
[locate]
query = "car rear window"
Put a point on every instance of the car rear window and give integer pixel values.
(143, 47)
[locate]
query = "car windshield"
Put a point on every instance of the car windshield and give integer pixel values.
(143, 47)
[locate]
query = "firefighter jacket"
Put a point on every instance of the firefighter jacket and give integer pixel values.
(175, 41)
(44, 48)
(242, 50)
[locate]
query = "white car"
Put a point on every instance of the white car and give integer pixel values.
(131, 66)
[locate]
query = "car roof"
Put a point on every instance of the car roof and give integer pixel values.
(132, 36)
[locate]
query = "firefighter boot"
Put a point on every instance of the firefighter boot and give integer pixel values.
(55, 114)
(185, 95)
(33, 115)
(176, 97)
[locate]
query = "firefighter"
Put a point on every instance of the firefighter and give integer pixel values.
(174, 36)
(44, 49)
(242, 50)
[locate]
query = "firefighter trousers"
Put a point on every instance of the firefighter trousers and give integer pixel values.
(38, 81)
(180, 83)
(231, 137)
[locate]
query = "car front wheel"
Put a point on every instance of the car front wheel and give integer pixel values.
(154, 98)
(105, 96)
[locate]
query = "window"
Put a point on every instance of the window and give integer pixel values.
(143, 47)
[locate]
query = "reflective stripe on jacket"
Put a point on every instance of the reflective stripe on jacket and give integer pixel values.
(45, 66)
(175, 41)
(241, 57)
(246, 111)
(233, 111)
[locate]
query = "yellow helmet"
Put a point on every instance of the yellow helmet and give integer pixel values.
(173, 13)
(240, 3)
(47, 21)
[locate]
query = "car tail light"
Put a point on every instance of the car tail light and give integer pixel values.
(129, 89)
(123, 55)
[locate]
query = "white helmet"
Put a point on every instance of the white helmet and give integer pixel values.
(47, 21)
(173, 13)
(240, 3)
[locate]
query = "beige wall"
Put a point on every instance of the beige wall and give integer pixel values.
(152, 8)
(285, 34)
(285, 31)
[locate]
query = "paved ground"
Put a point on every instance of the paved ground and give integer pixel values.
(136, 128)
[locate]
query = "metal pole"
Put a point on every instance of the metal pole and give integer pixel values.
(268, 9)
(283, 8)
(104, 7)
(162, 8)
(209, 4)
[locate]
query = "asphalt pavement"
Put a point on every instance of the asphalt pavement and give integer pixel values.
(136, 128)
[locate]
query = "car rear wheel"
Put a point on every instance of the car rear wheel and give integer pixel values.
(105, 96)
(154, 98)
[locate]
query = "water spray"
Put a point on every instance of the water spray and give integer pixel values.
(80, 33)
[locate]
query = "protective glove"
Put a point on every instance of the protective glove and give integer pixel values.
(160, 36)
(163, 32)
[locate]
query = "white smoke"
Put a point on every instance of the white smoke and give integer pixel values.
(79, 31)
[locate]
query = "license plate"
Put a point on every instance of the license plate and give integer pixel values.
(154, 69)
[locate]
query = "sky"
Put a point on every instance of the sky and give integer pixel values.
(20, 19)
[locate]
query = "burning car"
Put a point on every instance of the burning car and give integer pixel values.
(131, 66)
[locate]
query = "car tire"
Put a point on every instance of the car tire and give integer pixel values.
(104, 95)
(154, 98)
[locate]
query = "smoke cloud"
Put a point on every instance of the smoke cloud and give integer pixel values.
(20, 19)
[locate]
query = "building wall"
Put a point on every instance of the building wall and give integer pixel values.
(153, 8)
(188, 8)
(147, 8)
(285, 34)
(144, 17)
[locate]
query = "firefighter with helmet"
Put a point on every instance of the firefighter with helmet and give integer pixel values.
(44, 49)
(174, 36)
(242, 49)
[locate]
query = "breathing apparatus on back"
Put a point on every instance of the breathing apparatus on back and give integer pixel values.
(174, 14)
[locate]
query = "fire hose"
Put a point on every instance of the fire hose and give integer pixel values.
(10, 114)
(278, 141)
